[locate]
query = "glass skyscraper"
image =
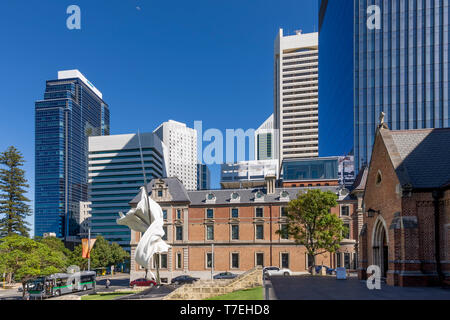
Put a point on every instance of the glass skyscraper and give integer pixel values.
(115, 177)
(335, 77)
(72, 110)
(401, 69)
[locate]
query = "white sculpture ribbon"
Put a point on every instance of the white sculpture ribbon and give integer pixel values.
(138, 219)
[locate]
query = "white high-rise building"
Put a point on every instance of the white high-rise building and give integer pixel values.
(264, 141)
(181, 157)
(296, 116)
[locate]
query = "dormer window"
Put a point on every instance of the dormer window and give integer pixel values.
(210, 198)
(160, 193)
(235, 197)
(259, 196)
(284, 196)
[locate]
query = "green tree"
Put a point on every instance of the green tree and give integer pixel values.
(103, 255)
(119, 255)
(311, 223)
(76, 259)
(23, 259)
(13, 203)
(57, 245)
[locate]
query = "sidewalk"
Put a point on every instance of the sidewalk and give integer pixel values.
(268, 291)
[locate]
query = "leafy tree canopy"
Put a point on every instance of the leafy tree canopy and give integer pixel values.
(311, 223)
(23, 258)
(103, 255)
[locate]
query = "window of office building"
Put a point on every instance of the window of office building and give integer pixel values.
(210, 232)
(346, 233)
(178, 214)
(163, 261)
(338, 260)
(284, 232)
(345, 211)
(235, 213)
(285, 260)
(259, 232)
(165, 214)
(284, 212)
(347, 260)
(235, 232)
(179, 233)
(260, 259)
(209, 260)
(209, 213)
(179, 260)
(165, 233)
(235, 260)
(310, 260)
(259, 212)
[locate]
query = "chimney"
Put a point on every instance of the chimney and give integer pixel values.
(270, 184)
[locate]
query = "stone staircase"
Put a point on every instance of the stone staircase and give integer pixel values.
(208, 289)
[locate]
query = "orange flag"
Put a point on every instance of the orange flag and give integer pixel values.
(87, 247)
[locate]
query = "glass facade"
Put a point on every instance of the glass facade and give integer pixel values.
(311, 169)
(115, 177)
(401, 69)
(203, 177)
(68, 115)
(335, 77)
(264, 146)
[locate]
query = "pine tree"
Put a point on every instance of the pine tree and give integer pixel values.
(13, 203)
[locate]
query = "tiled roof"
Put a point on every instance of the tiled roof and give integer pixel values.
(247, 196)
(361, 180)
(176, 189)
(223, 196)
(421, 158)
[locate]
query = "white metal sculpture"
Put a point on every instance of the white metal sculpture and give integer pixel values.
(147, 218)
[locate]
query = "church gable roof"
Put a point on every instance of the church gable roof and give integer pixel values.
(421, 158)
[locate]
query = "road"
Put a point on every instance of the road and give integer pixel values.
(10, 294)
(119, 281)
(328, 288)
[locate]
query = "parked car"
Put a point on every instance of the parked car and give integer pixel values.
(275, 271)
(142, 283)
(184, 280)
(329, 270)
(225, 275)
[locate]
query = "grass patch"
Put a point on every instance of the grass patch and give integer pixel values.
(105, 296)
(249, 294)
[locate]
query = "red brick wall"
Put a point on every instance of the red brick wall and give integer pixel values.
(381, 197)
(411, 250)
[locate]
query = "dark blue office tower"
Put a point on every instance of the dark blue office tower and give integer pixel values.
(401, 68)
(72, 110)
(335, 77)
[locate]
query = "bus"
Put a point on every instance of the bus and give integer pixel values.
(60, 283)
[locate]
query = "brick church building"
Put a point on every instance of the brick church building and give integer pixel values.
(406, 223)
(238, 227)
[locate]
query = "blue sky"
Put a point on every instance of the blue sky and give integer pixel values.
(192, 60)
